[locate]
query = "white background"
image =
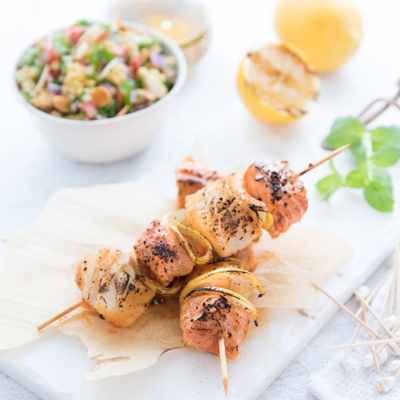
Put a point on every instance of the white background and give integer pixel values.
(30, 171)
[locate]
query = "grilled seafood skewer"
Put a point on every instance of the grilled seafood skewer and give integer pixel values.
(120, 286)
(215, 314)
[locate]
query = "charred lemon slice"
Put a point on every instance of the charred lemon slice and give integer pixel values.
(213, 265)
(198, 242)
(179, 215)
(177, 284)
(235, 181)
(232, 297)
(234, 279)
(277, 84)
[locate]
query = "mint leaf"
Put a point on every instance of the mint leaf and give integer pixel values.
(125, 88)
(359, 152)
(383, 135)
(62, 45)
(379, 191)
(387, 155)
(344, 131)
(328, 185)
(356, 179)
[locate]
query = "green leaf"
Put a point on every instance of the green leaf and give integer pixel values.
(383, 135)
(344, 131)
(84, 23)
(387, 155)
(125, 88)
(356, 179)
(62, 45)
(359, 152)
(328, 185)
(100, 54)
(379, 191)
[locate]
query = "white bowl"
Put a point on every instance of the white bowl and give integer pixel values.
(117, 138)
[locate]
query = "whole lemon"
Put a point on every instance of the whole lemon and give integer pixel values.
(277, 84)
(328, 31)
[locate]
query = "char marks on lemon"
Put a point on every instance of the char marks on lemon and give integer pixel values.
(284, 196)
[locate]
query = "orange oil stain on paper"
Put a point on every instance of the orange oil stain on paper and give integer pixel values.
(266, 255)
(162, 316)
(87, 319)
(112, 331)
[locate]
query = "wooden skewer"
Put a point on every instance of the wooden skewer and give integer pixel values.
(374, 291)
(397, 270)
(373, 350)
(344, 308)
(362, 344)
(353, 339)
(222, 357)
(58, 316)
(394, 330)
(362, 301)
(333, 154)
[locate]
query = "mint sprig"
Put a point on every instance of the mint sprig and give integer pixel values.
(374, 152)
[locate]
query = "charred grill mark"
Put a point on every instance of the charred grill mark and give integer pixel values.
(121, 282)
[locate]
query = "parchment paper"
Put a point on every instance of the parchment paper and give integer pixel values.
(37, 280)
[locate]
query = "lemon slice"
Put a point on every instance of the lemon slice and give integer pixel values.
(277, 84)
(232, 297)
(175, 288)
(179, 215)
(188, 234)
(234, 279)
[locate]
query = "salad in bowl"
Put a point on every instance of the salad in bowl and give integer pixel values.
(93, 71)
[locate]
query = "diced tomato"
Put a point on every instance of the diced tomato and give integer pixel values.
(136, 62)
(55, 74)
(73, 33)
(119, 96)
(48, 54)
(89, 109)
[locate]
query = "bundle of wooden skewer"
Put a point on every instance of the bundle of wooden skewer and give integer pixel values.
(384, 333)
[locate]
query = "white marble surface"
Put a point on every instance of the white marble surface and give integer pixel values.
(31, 171)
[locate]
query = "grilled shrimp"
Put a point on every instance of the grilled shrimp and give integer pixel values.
(192, 176)
(284, 196)
(204, 317)
(161, 254)
(108, 282)
(225, 216)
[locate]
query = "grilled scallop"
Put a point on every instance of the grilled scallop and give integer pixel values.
(227, 217)
(108, 282)
(284, 196)
(161, 254)
(204, 317)
(192, 176)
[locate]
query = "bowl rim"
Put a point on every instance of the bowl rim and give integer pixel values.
(181, 77)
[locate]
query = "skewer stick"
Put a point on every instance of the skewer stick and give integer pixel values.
(222, 357)
(344, 308)
(374, 291)
(362, 344)
(333, 154)
(353, 339)
(372, 347)
(397, 272)
(58, 316)
(394, 330)
(387, 330)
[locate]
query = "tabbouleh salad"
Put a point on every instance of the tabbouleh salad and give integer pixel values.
(94, 71)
